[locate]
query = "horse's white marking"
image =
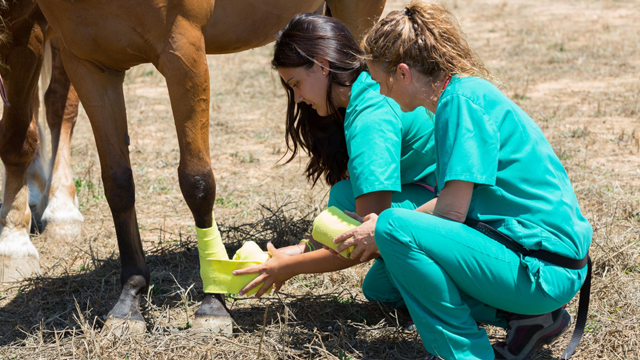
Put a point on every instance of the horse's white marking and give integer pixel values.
(15, 243)
(15, 221)
(62, 209)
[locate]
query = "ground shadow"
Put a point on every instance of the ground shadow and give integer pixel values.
(336, 323)
(51, 303)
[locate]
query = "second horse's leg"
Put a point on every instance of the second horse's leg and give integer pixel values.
(22, 57)
(184, 65)
(58, 207)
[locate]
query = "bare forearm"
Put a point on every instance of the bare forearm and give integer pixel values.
(428, 207)
(453, 202)
(318, 261)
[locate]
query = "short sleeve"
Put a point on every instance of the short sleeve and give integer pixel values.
(374, 141)
(467, 143)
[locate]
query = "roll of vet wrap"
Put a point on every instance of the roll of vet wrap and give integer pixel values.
(251, 251)
(216, 269)
(330, 223)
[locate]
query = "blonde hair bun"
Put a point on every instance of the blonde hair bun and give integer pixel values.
(425, 36)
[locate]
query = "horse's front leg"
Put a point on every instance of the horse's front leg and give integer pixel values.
(184, 65)
(22, 56)
(58, 207)
(100, 90)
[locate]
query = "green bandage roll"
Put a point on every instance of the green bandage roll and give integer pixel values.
(216, 269)
(331, 223)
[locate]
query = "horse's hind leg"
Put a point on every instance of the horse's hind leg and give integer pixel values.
(184, 65)
(100, 90)
(358, 15)
(58, 207)
(18, 144)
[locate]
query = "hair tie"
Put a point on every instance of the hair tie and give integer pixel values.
(409, 13)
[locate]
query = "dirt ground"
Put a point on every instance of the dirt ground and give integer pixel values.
(572, 65)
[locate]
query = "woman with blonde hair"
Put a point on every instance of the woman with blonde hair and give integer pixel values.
(505, 242)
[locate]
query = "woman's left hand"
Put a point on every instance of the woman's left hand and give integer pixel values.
(362, 237)
(272, 272)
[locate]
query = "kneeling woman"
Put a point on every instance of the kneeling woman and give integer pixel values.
(373, 154)
(494, 166)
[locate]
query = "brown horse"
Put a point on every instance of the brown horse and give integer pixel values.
(105, 39)
(52, 198)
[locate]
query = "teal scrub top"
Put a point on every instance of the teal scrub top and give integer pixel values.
(387, 148)
(521, 188)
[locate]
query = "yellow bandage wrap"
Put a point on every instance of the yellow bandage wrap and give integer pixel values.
(210, 243)
(331, 223)
(216, 269)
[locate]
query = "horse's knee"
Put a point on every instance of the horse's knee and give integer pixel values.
(16, 149)
(387, 230)
(60, 104)
(119, 189)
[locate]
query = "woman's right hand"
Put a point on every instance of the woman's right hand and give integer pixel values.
(272, 272)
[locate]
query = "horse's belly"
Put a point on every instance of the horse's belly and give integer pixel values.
(238, 25)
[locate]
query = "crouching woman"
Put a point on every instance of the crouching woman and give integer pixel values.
(498, 178)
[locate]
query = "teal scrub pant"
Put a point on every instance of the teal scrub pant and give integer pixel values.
(378, 285)
(451, 276)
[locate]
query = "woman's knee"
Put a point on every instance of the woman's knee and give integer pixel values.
(387, 228)
(341, 196)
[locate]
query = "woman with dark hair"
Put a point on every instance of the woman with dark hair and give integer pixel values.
(374, 155)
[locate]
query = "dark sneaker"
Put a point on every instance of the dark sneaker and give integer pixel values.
(410, 326)
(526, 334)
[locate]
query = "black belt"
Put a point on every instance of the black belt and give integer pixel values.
(555, 259)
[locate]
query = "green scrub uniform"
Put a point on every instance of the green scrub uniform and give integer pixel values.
(389, 150)
(451, 276)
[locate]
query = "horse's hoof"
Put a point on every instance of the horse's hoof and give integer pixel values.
(18, 268)
(120, 327)
(217, 324)
(64, 231)
(213, 316)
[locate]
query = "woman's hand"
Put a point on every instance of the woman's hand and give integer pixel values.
(272, 272)
(362, 237)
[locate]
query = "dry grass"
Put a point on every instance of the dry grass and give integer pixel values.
(572, 65)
